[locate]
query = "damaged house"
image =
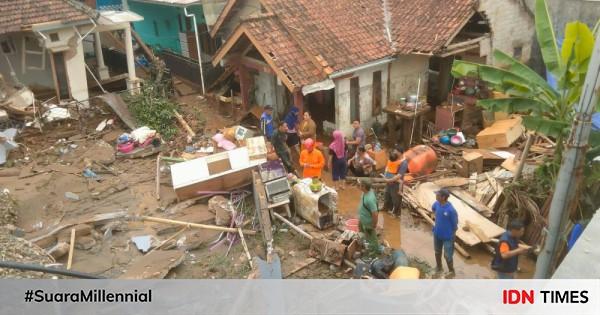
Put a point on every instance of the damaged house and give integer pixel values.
(345, 60)
(42, 47)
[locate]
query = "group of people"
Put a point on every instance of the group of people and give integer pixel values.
(353, 155)
(290, 133)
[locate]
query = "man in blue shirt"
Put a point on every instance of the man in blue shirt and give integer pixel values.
(444, 230)
(266, 122)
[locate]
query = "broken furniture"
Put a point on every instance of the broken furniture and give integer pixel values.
(222, 171)
(449, 116)
(472, 162)
(502, 134)
(274, 178)
(317, 208)
(404, 120)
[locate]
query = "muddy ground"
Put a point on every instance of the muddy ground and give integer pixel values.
(50, 190)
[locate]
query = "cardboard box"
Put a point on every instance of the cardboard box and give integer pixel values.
(471, 163)
(501, 134)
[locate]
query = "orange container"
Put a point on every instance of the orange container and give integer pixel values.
(422, 160)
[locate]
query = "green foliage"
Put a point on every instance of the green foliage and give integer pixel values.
(152, 109)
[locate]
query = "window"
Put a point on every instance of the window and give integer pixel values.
(155, 28)
(7, 46)
(54, 37)
(34, 55)
(354, 99)
(518, 52)
(377, 93)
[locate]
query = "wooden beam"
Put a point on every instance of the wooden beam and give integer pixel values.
(457, 51)
(466, 43)
(282, 76)
(220, 54)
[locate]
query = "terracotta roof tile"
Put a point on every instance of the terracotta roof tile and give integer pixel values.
(427, 25)
(18, 14)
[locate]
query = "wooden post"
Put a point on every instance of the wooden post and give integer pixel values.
(523, 158)
(71, 249)
(196, 225)
(299, 102)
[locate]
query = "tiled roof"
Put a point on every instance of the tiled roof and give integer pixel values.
(338, 33)
(16, 15)
(311, 39)
(428, 25)
(282, 50)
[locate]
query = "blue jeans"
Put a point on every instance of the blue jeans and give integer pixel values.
(447, 246)
(505, 275)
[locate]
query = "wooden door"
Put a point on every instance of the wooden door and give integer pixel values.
(59, 73)
(354, 99)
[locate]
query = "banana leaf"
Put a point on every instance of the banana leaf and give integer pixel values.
(547, 39)
(511, 64)
(514, 105)
(548, 127)
(579, 44)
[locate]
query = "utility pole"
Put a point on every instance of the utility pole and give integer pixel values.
(571, 170)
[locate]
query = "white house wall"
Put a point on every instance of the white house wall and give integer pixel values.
(365, 82)
(404, 76)
(265, 92)
(512, 27)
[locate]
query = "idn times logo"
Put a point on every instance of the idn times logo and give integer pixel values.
(515, 296)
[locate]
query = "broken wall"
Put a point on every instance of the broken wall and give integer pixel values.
(404, 76)
(513, 28)
(32, 70)
(248, 8)
(365, 82)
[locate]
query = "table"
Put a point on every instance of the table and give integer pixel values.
(399, 118)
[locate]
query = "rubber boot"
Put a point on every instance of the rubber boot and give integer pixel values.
(438, 262)
(451, 272)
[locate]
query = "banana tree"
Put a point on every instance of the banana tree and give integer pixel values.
(549, 110)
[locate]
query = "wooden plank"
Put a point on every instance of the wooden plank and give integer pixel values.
(195, 225)
(71, 250)
(472, 202)
(477, 231)
(452, 182)
(502, 134)
(307, 262)
(425, 194)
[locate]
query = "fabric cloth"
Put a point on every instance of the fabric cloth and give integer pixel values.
(445, 246)
(292, 139)
(308, 128)
(266, 125)
(291, 119)
(509, 265)
(446, 220)
(314, 162)
(359, 133)
(392, 168)
(337, 145)
(339, 167)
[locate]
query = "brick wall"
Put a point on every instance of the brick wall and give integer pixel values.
(512, 27)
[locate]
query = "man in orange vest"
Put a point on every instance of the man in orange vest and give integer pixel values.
(311, 160)
(394, 175)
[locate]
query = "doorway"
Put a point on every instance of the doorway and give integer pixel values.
(59, 72)
(321, 106)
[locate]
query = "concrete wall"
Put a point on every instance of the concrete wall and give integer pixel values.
(404, 76)
(512, 27)
(365, 82)
(564, 11)
(166, 20)
(40, 78)
(265, 90)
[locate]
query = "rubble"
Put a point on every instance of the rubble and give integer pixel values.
(17, 249)
(8, 208)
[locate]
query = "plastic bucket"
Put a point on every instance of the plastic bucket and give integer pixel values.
(352, 225)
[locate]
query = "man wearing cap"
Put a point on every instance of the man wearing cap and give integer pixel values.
(311, 160)
(266, 122)
(444, 229)
(368, 216)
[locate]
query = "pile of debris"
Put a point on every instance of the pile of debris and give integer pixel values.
(17, 249)
(8, 208)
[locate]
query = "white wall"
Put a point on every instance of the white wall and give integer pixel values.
(265, 90)
(512, 26)
(38, 78)
(404, 76)
(365, 82)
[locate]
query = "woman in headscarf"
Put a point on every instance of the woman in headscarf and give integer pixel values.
(291, 119)
(337, 150)
(308, 127)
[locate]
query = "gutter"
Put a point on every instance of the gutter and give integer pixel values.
(367, 65)
(193, 16)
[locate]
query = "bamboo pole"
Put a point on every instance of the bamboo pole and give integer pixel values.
(184, 124)
(71, 249)
(245, 247)
(196, 225)
(294, 227)
(158, 176)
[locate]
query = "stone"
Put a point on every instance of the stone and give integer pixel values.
(72, 196)
(85, 242)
